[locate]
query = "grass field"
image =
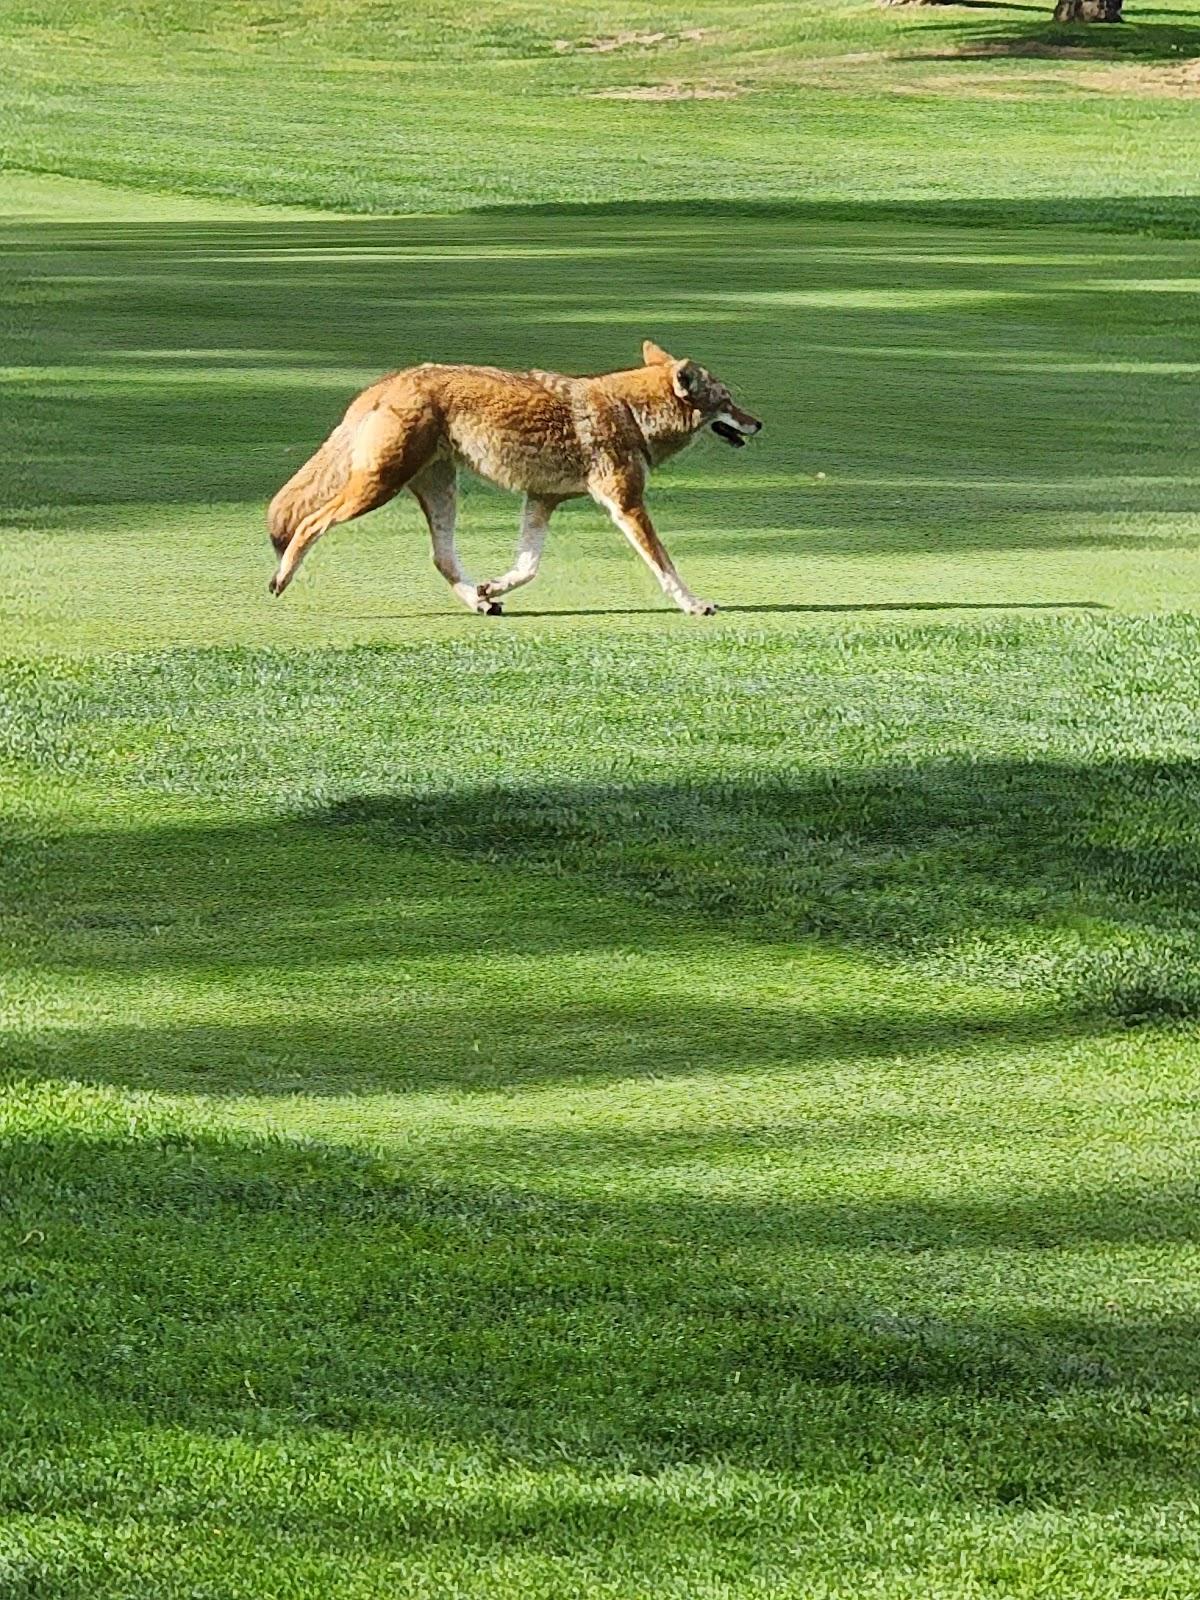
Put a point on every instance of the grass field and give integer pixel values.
(595, 1103)
(354, 105)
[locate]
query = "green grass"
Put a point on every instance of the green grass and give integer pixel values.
(356, 106)
(732, 1141)
(593, 1103)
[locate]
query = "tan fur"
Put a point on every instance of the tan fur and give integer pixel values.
(545, 435)
(315, 482)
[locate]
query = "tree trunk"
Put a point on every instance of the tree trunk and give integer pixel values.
(1088, 11)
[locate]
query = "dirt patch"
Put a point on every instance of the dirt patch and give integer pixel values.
(670, 91)
(631, 40)
(1014, 86)
(1178, 80)
(997, 49)
(1181, 82)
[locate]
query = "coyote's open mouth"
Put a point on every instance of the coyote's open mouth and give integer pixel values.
(729, 434)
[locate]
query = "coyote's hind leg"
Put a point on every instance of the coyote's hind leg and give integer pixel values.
(388, 450)
(535, 519)
(362, 492)
(435, 489)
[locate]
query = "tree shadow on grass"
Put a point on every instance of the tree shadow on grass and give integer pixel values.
(418, 941)
(293, 1290)
(883, 860)
(1135, 39)
(1164, 216)
(470, 1292)
(495, 1040)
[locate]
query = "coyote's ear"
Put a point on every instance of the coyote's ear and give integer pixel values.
(654, 355)
(687, 380)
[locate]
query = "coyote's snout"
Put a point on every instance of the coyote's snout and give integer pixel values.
(549, 437)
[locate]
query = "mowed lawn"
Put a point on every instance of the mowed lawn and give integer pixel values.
(595, 1104)
(592, 1102)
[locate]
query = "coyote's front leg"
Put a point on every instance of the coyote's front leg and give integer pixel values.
(623, 502)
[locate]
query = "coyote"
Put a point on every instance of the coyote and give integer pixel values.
(551, 438)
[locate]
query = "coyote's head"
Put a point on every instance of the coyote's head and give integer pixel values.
(708, 397)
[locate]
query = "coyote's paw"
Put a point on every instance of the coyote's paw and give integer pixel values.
(476, 598)
(700, 608)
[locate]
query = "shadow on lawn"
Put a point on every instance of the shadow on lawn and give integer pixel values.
(1135, 39)
(1074, 886)
(277, 1289)
(1159, 215)
(289, 1290)
(495, 1040)
(820, 610)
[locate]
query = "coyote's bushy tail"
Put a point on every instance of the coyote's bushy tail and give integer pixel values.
(317, 481)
